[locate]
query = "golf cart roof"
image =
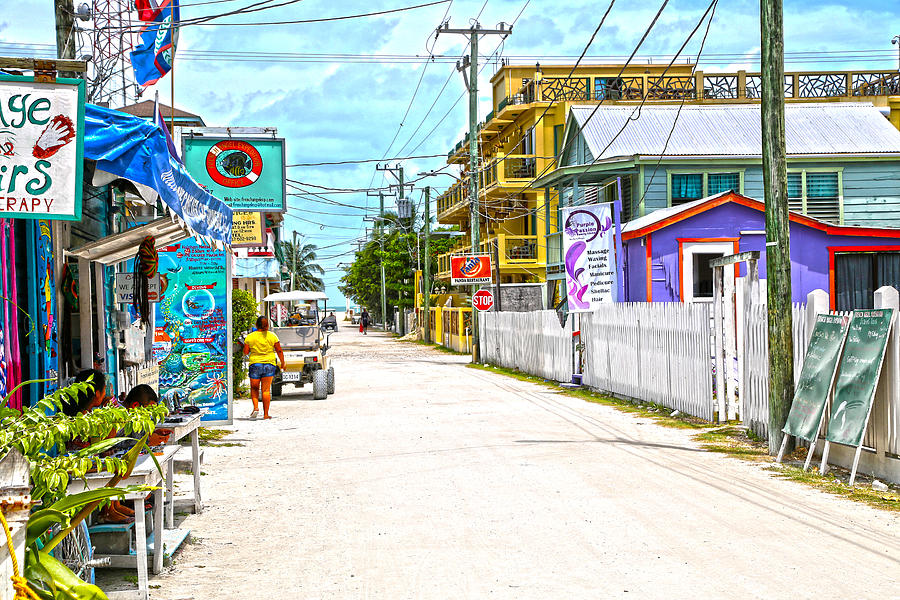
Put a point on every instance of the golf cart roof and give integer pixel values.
(295, 296)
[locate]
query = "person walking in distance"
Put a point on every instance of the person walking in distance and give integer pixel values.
(262, 346)
(364, 322)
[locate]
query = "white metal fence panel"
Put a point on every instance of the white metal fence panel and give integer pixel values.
(656, 352)
(532, 342)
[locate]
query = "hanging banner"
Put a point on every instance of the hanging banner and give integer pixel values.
(590, 256)
(191, 337)
(858, 376)
(816, 377)
(247, 230)
(470, 269)
(247, 174)
(41, 148)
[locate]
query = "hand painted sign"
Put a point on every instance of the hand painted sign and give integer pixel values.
(858, 376)
(247, 174)
(590, 256)
(816, 377)
(470, 270)
(41, 148)
(191, 340)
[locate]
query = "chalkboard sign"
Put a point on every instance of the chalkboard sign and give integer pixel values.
(817, 376)
(858, 375)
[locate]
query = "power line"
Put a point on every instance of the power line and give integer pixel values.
(365, 160)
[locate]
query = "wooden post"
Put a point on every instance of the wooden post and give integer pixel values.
(778, 251)
(718, 284)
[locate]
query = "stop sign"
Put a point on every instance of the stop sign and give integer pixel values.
(483, 300)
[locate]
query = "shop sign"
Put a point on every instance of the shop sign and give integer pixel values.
(125, 288)
(191, 338)
(247, 230)
(148, 374)
(473, 269)
(245, 173)
(590, 256)
(41, 148)
(265, 250)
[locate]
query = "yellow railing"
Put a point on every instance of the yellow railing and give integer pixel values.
(456, 196)
(515, 251)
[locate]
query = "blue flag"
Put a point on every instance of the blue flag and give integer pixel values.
(152, 56)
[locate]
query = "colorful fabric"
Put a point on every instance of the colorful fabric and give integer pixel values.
(147, 10)
(152, 56)
(262, 347)
(148, 259)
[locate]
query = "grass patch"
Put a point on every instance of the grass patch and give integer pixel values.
(836, 486)
(659, 414)
(734, 441)
(214, 437)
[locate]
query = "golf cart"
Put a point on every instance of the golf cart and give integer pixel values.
(295, 320)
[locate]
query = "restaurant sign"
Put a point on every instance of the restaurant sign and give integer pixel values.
(41, 148)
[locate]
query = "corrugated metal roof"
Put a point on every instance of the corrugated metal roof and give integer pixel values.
(734, 130)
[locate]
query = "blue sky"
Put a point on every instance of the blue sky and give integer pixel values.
(333, 111)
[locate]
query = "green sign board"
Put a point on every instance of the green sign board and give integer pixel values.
(245, 173)
(858, 376)
(816, 377)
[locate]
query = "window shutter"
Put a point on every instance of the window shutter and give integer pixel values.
(795, 192)
(823, 196)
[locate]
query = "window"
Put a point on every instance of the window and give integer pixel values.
(723, 182)
(557, 138)
(703, 274)
(686, 187)
(815, 194)
(795, 192)
(858, 274)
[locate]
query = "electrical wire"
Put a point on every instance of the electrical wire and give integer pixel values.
(365, 160)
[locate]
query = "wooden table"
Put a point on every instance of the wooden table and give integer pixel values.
(179, 431)
(144, 473)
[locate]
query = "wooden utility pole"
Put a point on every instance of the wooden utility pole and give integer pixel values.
(778, 247)
(426, 281)
(473, 33)
(65, 31)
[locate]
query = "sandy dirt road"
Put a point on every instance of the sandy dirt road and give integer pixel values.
(421, 478)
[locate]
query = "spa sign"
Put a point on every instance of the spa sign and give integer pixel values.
(41, 148)
(590, 256)
(245, 173)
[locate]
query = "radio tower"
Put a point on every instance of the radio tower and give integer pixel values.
(112, 79)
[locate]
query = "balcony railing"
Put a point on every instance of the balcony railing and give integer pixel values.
(519, 167)
(456, 196)
(515, 251)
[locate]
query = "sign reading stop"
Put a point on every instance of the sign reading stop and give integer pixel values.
(483, 300)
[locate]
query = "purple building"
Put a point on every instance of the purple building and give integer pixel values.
(667, 252)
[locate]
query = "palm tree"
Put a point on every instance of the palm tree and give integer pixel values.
(300, 261)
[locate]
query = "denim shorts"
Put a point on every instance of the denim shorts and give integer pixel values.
(260, 370)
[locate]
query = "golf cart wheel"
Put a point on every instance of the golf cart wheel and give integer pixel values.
(330, 380)
(320, 385)
(277, 384)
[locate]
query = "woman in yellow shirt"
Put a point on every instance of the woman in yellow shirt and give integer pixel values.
(262, 346)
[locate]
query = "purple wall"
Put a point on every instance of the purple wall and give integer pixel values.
(809, 251)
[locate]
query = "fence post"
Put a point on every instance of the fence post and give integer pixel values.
(886, 396)
(15, 502)
(718, 284)
(817, 303)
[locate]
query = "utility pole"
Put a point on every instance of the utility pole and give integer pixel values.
(65, 31)
(778, 249)
(294, 251)
(473, 33)
(426, 281)
(378, 231)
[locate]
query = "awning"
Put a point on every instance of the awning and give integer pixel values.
(295, 296)
(137, 150)
(123, 246)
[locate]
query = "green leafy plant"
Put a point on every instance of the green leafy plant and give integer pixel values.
(41, 433)
(243, 316)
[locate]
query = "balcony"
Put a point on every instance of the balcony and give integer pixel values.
(519, 254)
(452, 205)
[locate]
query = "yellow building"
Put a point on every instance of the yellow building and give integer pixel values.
(522, 136)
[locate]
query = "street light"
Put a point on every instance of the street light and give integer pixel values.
(896, 42)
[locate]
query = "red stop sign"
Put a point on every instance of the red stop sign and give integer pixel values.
(483, 300)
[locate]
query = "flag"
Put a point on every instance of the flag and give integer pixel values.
(160, 120)
(148, 10)
(153, 55)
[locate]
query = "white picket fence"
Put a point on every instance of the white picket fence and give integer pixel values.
(532, 342)
(653, 352)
